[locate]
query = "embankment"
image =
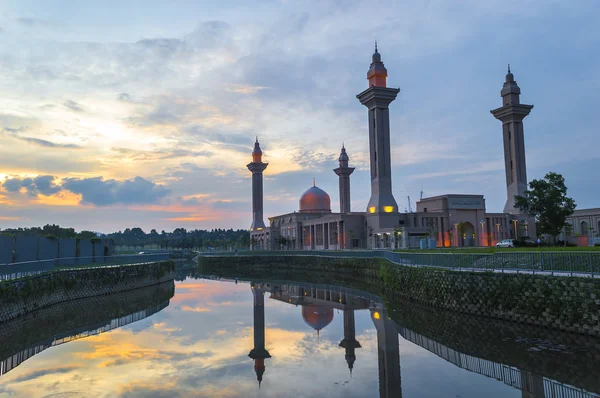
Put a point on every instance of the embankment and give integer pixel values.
(24, 296)
(563, 303)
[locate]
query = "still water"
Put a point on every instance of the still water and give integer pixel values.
(223, 338)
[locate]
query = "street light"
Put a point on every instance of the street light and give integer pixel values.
(456, 233)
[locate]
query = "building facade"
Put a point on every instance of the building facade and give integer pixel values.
(452, 220)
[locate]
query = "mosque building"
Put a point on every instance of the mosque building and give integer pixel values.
(449, 220)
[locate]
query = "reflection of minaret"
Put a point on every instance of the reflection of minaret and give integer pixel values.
(257, 167)
(349, 342)
(511, 114)
(344, 173)
(388, 354)
(259, 353)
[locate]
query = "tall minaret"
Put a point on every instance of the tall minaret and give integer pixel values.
(259, 353)
(349, 342)
(344, 173)
(377, 99)
(257, 167)
(511, 114)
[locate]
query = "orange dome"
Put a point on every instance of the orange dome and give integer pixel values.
(315, 200)
(316, 316)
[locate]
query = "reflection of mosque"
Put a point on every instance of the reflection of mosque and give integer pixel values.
(318, 306)
(318, 303)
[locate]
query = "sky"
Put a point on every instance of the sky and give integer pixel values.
(125, 114)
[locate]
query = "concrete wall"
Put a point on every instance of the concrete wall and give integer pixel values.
(559, 302)
(6, 249)
(98, 248)
(24, 296)
(47, 249)
(34, 248)
(86, 249)
(26, 248)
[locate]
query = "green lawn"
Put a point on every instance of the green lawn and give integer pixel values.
(480, 250)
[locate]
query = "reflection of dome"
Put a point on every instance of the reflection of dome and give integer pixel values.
(316, 316)
(315, 200)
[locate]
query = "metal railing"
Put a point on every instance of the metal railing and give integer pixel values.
(569, 263)
(28, 268)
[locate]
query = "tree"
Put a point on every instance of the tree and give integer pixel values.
(547, 201)
(282, 241)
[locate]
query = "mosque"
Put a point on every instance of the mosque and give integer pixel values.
(451, 220)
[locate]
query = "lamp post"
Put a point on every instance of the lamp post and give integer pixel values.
(456, 233)
(482, 222)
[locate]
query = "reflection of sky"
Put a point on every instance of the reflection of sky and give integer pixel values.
(199, 345)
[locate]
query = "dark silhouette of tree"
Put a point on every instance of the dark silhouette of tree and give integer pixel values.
(547, 201)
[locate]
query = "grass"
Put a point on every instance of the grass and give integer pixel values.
(483, 250)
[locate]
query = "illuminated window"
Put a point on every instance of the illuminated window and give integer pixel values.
(376, 315)
(388, 209)
(372, 209)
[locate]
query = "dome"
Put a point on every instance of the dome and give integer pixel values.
(317, 316)
(315, 200)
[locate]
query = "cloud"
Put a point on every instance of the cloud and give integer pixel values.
(45, 185)
(95, 190)
(48, 144)
(31, 22)
(74, 106)
(124, 97)
(43, 372)
(100, 192)
(173, 153)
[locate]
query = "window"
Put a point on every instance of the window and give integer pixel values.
(509, 135)
(425, 210)
(584, 228)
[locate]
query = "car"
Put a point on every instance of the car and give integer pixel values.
(505, 243)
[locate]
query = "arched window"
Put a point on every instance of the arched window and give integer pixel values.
(584, 228)
(598, 230)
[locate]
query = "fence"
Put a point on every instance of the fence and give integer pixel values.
(571, 263)
(27, 268)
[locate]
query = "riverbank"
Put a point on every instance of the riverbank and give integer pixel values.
(26, 295)
(559, 302)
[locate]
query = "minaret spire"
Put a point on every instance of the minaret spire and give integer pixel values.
(382, 210)
(343, 173)
(257, 166)
(511, 114)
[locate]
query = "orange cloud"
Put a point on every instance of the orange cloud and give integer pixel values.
(4, 218)
(195, 309)
(62, 198)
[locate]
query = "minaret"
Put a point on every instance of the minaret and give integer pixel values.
(259, 353)
(388, 353)
(257, 167)
(511, 114)
(344, 177)
(349, 342)
(377, 99)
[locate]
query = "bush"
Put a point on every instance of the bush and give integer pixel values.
(524, 242)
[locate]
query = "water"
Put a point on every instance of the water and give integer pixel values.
(317, 341)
